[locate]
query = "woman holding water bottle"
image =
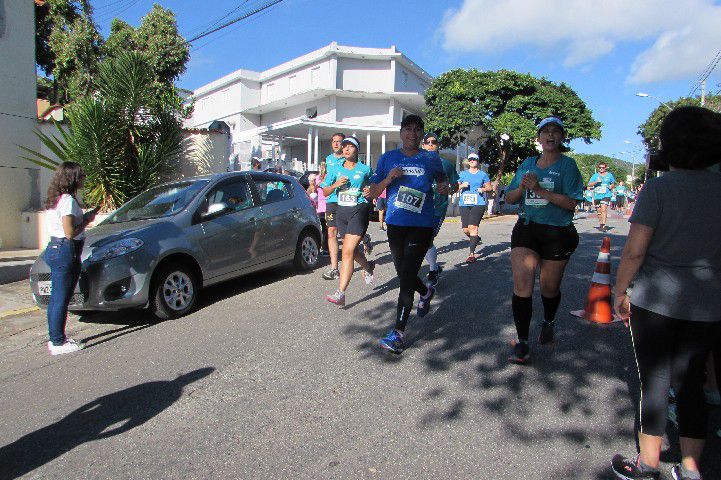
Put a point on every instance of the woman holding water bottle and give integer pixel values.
(547, 189)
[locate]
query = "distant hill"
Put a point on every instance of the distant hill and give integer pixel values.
(587, 165)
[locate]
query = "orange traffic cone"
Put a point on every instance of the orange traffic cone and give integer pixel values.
(598, 304)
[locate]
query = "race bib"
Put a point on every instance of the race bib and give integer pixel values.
(348, 198)
(601, 189)
(470, 198)
(410, 199)
(535, 200)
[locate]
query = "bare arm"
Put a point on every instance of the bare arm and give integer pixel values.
(487, 187)
(639, 238)
(70, 230)
(513, 196)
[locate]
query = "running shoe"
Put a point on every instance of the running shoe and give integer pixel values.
(367, 245)
(471, 258)
(324, 253)
(424, 303)
(712, 398)
(433, 277)
(393, 342)
(629, 470)
(546, 335)
(677, 474)
(332, 274)
(338, 298)
(520, 353)
(368, 274)
(69, 346)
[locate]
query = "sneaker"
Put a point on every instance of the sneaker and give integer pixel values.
(69, 346)
(367, 246)
(338, 298)
(712, 398)
(629, 470)
(677, 474)
(332, 274)
(520, 353)
(424, 303)
(368, 274)
(324, 253)
(471, 258)
(393, 342)
(433, 277)
(546, 335)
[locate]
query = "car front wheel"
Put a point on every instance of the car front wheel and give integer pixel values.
(175, 291)
(307, 251)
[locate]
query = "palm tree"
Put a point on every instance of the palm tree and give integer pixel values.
(126, 134)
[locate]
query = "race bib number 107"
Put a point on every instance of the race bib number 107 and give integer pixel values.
(410, 199)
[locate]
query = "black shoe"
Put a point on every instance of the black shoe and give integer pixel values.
(520, 353)
(367, 245)
(546, 335)
(677, 473)
(433, 277)
(627, 469)
(332, 274)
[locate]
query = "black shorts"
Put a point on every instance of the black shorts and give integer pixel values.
(380, 203)
(549, 241)
(353, 220)
(330, 213)
(472, 215)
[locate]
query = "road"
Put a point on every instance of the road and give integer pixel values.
(267, 380)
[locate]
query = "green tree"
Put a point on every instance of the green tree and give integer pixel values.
(649, 129)
(506, 106)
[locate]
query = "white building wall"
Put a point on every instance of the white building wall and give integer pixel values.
(297, 111)
(19, 179)
(310, 77)
(364, 75)
(363, 111)
(407, 81)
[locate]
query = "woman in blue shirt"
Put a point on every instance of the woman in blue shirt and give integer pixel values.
(473, 183)
(348, 181)
(548, 188)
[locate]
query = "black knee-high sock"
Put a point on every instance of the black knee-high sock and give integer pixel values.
(550, 307)
(474, 243)
(522, 313)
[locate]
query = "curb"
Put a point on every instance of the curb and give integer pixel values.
(19, 311)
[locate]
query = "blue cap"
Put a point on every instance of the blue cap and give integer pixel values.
(353, 141)
(429, 135)
(548, 120)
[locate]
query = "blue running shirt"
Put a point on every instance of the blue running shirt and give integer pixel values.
(470, 196)
(562, 177)
(350, 194)
(602, 190)
(410, 197)
(331, 162)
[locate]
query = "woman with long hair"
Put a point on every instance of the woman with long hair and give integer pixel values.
(673, 257)
(66, 225)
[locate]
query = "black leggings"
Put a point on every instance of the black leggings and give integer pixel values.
(408, 246)
(324, 231)
(671, 353)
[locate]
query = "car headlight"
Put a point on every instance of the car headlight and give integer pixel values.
(116, 249)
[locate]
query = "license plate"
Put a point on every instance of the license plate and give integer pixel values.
(45, 288)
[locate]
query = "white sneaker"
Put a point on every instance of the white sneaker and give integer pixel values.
(69, 346)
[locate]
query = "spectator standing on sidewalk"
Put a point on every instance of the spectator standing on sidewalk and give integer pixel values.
(66, 225)
(673, 256)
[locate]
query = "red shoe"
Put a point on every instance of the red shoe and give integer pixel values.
(471, 258)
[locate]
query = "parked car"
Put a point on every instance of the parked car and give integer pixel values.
(159, 249)
(303, 179)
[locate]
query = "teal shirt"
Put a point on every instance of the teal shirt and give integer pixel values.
(331, 163)
(562, 177)
(351, 193)
(440, 202)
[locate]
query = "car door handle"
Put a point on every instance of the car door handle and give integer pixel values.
(251, 219)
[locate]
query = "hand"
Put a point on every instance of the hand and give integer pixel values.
(90, 216)
(464, 185)
(622, 307)
(341, 181)
(367, 193)
(530, 182)
(443, 188)
(395, 173)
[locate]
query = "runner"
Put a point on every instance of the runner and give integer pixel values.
(440, 207)
(473, 183)
(408, 174)
(381, 208)
(347, 182)
(314, 182)
(603, 183)
(621, 193)
(548, 188)
(331, 205)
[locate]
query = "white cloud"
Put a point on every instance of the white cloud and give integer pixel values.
(686, 34)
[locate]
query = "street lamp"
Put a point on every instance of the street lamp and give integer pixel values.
(646, 95)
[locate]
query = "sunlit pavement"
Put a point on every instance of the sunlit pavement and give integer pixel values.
(267, 380)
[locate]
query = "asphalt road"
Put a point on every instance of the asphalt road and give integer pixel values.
(267, 380)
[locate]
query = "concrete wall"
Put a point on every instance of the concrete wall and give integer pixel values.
(313, 76)
(365, 75)
(19, 179)
(324, 111)
(407, 81)
(362, 111)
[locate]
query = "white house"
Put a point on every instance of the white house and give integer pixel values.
(291, 111)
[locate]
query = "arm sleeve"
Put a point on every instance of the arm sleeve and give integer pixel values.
(486, 178)
(65, 206)
(329, 179)
(515, 182)
(381, 170)
(647, 210)
(594, 178)
(573, 183)
(437, 167)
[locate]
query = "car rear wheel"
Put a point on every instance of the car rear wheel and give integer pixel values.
(306, 251)
(175, 292)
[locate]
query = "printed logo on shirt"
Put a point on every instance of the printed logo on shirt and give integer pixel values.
(415, 171)
(558, 174)
(356, 176)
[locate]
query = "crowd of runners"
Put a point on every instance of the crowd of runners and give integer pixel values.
(410, 190)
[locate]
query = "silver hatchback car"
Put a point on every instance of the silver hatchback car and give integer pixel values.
(160, 248)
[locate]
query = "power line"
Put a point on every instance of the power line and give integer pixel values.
(705, 74)
(235, 20)
(198, 31)
(229, 31)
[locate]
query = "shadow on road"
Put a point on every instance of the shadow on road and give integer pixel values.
(104, 417)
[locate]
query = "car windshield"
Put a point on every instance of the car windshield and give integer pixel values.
(157, 202)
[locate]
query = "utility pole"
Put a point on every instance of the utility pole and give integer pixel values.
(703, 92)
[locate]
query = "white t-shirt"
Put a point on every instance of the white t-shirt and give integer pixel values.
(67, 205)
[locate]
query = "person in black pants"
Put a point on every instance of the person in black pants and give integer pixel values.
(407, 174)
(673, 257)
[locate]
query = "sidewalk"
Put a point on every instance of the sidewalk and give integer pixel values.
(15, 264)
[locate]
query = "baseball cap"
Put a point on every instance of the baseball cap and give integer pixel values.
(429, 135)
(473, 156)
(353, 141)
(548, 120)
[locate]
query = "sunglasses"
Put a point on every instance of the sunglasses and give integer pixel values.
(431, 142)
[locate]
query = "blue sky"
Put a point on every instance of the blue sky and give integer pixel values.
(606, 51)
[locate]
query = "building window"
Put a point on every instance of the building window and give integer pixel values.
(404, 79)
(293, 83)
(315, 76)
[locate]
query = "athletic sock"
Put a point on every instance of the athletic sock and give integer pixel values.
(689, 474)
(432, 258)
(550, 307)
(474, 243)
(522, 313)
